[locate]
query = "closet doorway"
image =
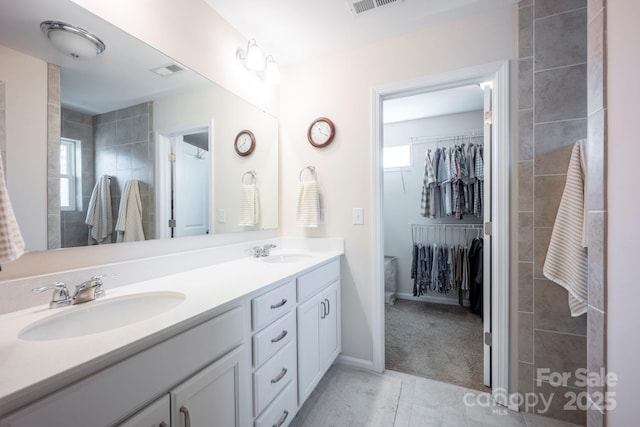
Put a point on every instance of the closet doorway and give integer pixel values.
(441, 255)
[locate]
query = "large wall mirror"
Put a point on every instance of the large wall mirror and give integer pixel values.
(135, 129)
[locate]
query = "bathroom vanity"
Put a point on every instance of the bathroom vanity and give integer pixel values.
(239, 343)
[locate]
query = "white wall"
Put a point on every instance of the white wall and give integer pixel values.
(339, 86)
(25, 80)
(229, 115)
(402, 204)
(623, 152)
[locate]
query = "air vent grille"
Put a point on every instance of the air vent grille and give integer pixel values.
(360, 6)
(168, 70)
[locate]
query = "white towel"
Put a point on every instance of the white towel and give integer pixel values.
(566, 262)
(129, 224)
(11, 241)
(308, 206)
(249, 206)
(99, 214)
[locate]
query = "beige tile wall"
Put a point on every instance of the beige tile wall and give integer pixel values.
(54, 119)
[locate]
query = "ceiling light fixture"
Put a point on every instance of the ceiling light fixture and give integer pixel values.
(254, 60)
(73, 41)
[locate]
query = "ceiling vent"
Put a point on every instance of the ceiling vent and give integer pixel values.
(168, 70)
(360, 6)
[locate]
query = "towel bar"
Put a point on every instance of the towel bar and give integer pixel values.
(250, 173)
(312, 170)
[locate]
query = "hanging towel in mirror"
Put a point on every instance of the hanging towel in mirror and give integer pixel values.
(566, 261)
(249, 206)
(308, 206)
(11, 241)
(129, 224)
(99, 214)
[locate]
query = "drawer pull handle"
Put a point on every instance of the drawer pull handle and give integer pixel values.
(328, 306)
(280, 376)
(282, 419)
(278, 305)
(279, 337)
(187, 417)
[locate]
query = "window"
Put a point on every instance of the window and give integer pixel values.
(70, 172)
(396, 157)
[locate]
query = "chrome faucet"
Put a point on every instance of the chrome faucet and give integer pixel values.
(85, 292)
(89, 290)
(262, 251)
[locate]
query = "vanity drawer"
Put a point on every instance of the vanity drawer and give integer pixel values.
(273, 376)
(282, 409)
(268, 307)
(312, 282)
(267, 342)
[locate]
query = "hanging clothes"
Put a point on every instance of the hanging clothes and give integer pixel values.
(453, 182)
(476, 274)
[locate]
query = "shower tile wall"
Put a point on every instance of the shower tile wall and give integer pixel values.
(552, 116)
(124, 150)
(79, 127)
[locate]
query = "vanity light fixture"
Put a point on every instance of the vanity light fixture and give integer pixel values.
(73, 41)
(254, 60)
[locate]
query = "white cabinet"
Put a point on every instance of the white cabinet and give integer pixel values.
(274, 355)
(111, 395)
(211, 397)
(158, 414)
(319, 336)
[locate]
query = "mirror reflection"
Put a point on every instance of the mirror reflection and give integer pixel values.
(145, 147)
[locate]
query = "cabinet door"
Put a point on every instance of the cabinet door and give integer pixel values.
(158, 414)
(330, 343)
(211, 397)
(309, 362)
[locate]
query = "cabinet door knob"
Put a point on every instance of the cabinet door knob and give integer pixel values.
(187, 417)
(278, 378)
(282, 419)
(279, 337)
(278, 305)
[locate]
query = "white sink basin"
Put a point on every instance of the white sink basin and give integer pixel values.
(101, 315)
(286, 258)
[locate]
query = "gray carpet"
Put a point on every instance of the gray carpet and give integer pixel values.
(435, 341)
(353, 398)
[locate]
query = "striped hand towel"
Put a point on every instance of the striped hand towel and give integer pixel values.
(566, 261)
(249, 206)
(11, 242)
(308, 206)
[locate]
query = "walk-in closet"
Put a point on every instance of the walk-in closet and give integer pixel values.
(433, 214)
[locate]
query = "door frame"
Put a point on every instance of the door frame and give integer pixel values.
(498, 73)
(163, 138)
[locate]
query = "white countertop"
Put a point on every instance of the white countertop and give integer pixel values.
(31, 369)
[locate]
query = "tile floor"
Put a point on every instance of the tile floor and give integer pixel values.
(424, 403)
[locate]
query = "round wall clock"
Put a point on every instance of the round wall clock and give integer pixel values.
(321, 132)
(245, 143)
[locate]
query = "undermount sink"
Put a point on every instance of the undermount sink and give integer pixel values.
(286, 258)
(101, 315)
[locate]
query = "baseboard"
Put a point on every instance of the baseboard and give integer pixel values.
(431, 298)
(355, 362)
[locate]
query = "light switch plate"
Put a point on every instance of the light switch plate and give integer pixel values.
(222, 216)
(357, 215)
(324, 216)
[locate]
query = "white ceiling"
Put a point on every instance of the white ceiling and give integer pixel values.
(435, 103)
(296, 30)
